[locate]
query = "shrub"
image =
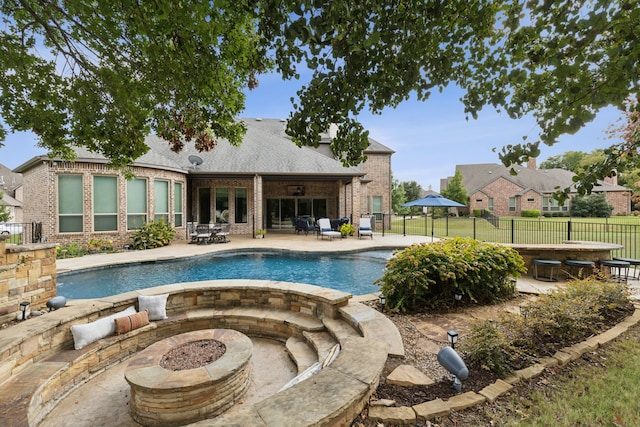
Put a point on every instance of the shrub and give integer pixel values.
(566, 316)
(71, 250)
(594, 206)
(153, 235)
(478, 213)
(427, 275)
(530, 213)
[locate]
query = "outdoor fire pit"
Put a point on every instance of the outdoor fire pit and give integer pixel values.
(167, 397)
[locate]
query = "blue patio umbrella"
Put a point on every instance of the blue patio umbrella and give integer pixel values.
(435, 201)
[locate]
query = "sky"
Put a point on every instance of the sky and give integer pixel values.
(429, 138)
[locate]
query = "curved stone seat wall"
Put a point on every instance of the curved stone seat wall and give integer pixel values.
(38, 359)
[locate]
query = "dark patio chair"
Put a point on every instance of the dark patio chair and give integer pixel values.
(303, 226)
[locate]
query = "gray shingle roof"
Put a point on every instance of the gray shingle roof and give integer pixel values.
(265, 150)
(478, 176)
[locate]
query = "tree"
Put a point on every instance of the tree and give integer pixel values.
(4, 210)
(111, 71)
(593, 206)
(398, 197)
(567, 161)
(412, 191)
(455, 190)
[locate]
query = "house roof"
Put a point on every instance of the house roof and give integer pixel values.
(477, 176)
(9, 201)
(265, 150)
(9, 180)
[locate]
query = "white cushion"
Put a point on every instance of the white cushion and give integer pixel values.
(87, 333)
(156, 305)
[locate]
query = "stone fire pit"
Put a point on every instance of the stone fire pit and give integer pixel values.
(163, 397)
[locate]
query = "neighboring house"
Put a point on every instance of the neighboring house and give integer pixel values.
(492, 187)
(10, 187)
(263, 183)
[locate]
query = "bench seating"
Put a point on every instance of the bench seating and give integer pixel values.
(39, 365)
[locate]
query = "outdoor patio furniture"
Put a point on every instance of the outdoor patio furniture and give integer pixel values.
(365, 228)
(191, 232)
(618, 270)
(204, 234)
(551, 264)
(635, 263)
(580, 265)
(326, 230)
(303, 226)
(222, 233)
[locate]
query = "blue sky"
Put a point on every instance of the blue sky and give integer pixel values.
(429, 138)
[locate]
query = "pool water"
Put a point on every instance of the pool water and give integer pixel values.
(353, 272)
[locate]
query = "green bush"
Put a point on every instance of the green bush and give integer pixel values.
(427, 275)
(594, 206)
(153, 235)
(478, 213)
(569, 315)
(530, 213)
(71, 250)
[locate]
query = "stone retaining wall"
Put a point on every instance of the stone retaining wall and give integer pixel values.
(27, 273)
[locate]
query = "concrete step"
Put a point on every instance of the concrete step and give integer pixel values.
(375, 325)
(340, 329)
(322, 342)
(301, 353)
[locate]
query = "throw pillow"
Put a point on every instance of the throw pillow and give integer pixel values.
(156, 305)
(131, 322)
(87, 333)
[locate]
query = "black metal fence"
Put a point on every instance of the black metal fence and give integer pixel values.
(524, 230)
(22, 232)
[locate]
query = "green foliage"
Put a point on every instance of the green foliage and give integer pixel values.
(568, 315)
(427, 275)
(530, 213)
(398, 197)
(347, 229)
(153, 235)
(455, 190)
(593, 206)
(71, 250)
(478, 212)
(182, 68)
(100, 244)
(4, 211)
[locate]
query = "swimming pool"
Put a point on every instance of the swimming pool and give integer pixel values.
(352, 272)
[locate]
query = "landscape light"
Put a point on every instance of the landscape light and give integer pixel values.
(382, 300)
(457, 295)
(452, 336)
(24, 308)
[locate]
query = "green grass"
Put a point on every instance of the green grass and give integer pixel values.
(604, 395)
(618, 230)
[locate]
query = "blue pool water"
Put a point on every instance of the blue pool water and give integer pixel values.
(349, 272)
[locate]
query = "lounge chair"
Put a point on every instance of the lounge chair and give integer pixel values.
(303, 226)
(365, 228)
(325, 229)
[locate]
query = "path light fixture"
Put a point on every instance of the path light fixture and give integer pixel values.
(24, 310)
(524, 311)
(452, 336)
(382, 300)
(457, 295)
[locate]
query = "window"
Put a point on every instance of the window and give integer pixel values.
(241, 206)
(161, 200)
(222, 205)
(177, 204)
(512, 204)
(376, 206)
(136, 203)
(70, 212)
(105, 203)
(549, 204)
(490, 204)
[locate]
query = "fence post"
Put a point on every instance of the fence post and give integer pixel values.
(474, 227)
(513, 228)
(404, 224)
(446, 232)
(569, 229)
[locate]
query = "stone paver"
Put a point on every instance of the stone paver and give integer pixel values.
(408, 376)
(402, 415)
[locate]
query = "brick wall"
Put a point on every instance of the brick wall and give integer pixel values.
(378, 170)
(27, 273)
(42, 206)
(621, 202)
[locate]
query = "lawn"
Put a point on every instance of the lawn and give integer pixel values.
(619, 230)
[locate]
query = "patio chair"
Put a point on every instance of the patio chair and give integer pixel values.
(222, 236)
(191, 232)
(303, 226)
(325, 229)
(203, 234)
(365, 228)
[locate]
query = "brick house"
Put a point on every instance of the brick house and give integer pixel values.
(492, 187)
(263, 183)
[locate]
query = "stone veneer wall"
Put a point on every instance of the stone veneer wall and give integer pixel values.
(27, 273)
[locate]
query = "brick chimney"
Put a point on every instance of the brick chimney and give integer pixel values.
(613, 180)
(531, 163)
